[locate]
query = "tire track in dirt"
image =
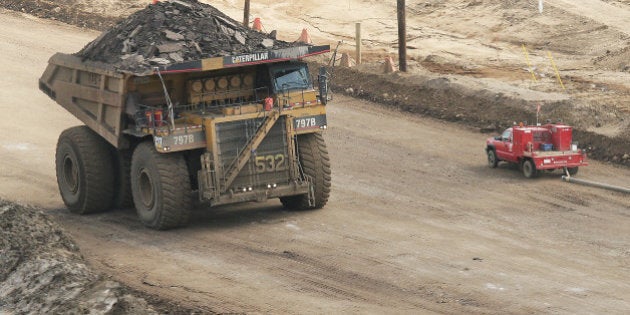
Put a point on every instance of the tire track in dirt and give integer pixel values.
(599, 11)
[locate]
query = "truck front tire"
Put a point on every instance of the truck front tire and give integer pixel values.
(84, 170)
(572, 170)
(313, 156)
(161, 188)
(529, 169)
(492, 158)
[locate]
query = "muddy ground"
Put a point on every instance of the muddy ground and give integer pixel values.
(427, 227)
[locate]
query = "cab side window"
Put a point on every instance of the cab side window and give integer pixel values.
(507, 135)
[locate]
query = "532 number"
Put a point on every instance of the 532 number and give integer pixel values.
(270, 163)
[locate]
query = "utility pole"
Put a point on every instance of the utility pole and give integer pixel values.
(246, 14)
(358, 41)
(402, 37)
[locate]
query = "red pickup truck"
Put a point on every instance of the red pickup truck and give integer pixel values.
(536, 148)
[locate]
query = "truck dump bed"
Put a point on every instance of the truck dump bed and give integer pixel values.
(92, 93)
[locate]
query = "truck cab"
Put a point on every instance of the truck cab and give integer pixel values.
(503, 145)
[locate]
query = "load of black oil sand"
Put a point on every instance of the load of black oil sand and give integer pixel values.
(175, 31)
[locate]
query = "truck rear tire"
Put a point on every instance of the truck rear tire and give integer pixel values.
(492, 158)
(315, 162)
(161, 187)
(529, 169)
(84, 170)
(572, 170)
(123, 197)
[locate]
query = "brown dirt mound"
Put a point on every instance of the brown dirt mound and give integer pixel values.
(66, 11)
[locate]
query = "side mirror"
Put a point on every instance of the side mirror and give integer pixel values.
(322, 79)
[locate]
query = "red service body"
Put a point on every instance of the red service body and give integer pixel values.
(536, 148)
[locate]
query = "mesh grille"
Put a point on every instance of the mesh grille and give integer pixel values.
(268, 165)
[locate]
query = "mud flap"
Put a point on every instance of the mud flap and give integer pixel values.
(311, 192)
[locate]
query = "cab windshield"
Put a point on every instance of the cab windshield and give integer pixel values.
(291, 77)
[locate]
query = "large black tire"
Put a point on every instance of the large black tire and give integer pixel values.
(492, 158)
(315, 162)
(572, 170)
(84, 170)
(529, 169)
(123, 198)
(161, 187)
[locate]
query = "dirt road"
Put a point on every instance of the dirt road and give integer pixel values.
(416, 222)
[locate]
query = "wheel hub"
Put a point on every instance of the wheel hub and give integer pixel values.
(70, 174)
(146, 190)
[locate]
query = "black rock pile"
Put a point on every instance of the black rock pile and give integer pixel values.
(175, 31)
(43, 272)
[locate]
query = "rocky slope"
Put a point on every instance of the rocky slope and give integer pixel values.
(43, 272)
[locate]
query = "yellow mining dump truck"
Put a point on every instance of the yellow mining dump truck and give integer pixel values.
(222, 130)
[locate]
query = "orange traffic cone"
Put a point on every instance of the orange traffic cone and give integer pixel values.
(347, 61)
(257, 25)
(304, 37)
(389, 65)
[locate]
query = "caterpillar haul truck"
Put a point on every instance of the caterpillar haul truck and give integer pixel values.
(222, 130)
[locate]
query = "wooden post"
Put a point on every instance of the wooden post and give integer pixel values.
(246, 14)
(402, 37)
(358, 40)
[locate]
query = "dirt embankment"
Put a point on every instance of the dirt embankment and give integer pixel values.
(43, 272)
(67, 11)
(443, 99)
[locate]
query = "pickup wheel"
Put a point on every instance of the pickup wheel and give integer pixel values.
(315, 162)
(572, 170)
(84, 170)
(492, 158)
(161, 187)
(529, 169)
